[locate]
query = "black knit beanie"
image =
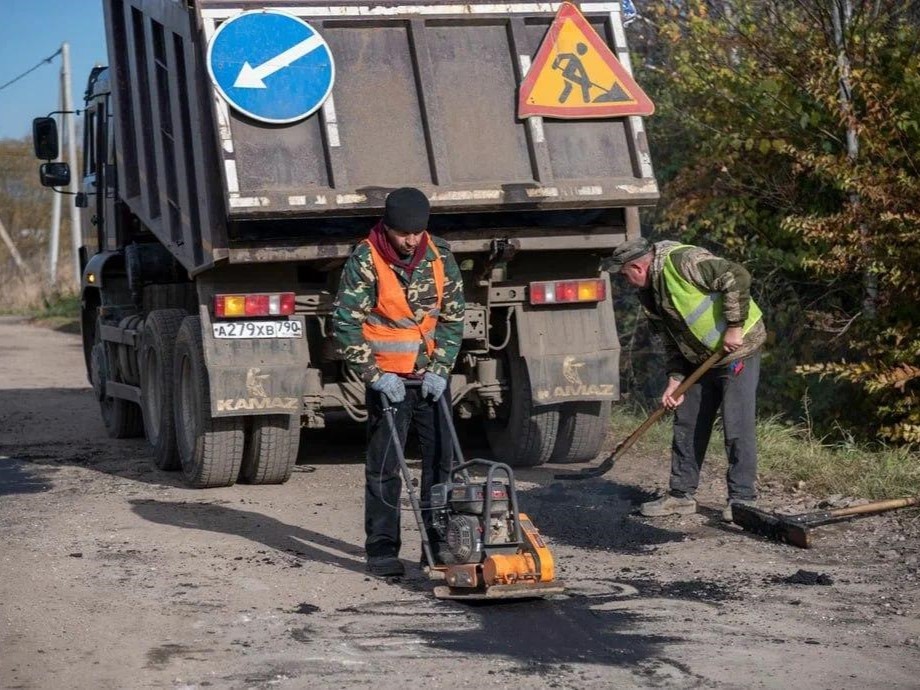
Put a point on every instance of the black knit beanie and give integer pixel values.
(407, 210)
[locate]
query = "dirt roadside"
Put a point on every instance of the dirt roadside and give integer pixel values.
(113, 575)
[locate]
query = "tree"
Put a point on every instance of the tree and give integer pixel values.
(25, 211)
(24, 204)
(786, 134)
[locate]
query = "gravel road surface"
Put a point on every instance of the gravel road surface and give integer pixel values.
(114, 575)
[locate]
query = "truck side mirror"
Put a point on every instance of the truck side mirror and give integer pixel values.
(45, 138)
(54, 174)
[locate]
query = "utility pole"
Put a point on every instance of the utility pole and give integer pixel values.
(54, 241)
(76, 234)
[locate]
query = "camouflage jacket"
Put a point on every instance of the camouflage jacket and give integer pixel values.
(710, 274)
(357, 296)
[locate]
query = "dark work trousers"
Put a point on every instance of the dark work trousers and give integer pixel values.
(383, 483)
(736, 394)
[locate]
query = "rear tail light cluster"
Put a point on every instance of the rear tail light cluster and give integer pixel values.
(269, 304)
(568, 291)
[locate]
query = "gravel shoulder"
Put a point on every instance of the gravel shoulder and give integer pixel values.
(114, 575)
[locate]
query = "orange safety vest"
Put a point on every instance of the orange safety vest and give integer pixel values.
(391, 329)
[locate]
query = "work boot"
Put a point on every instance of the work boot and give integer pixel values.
(385, 566)
(727, 515)
(669, 504)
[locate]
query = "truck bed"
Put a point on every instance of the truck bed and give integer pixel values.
(425, 95)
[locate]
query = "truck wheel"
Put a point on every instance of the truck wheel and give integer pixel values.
(271, 449)
(210, 448)
(157, 351)
(582, 428)
(121, 417)
(88, 335)
(527, 435)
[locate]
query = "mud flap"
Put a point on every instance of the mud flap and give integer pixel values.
(255, 376)
(572, 352)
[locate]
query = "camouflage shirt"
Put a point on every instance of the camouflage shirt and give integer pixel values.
(709, 274)
(357, 296)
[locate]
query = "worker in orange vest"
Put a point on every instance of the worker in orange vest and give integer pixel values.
(399, 315)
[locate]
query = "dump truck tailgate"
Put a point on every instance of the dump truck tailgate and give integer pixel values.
(425, 94)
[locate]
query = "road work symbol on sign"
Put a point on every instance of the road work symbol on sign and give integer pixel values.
(575, 75)
(271, 66)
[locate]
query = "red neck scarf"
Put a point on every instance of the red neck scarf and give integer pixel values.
(378, 238)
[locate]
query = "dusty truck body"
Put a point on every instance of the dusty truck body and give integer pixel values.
(197, 209)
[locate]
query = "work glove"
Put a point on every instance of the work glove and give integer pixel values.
(391, 386)
(433, 385)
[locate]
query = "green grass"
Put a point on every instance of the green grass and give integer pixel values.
(58, 311)
(792, 457)
(60, 305)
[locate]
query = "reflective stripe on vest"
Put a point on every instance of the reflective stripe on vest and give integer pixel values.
(702, 312)
(391, 329)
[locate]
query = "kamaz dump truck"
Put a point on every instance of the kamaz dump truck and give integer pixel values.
(234, 153)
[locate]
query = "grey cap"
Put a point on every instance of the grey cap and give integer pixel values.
(626, 252)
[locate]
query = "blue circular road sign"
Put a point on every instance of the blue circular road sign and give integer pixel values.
(271, 66)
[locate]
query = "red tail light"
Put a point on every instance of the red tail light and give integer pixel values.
(568, 291)
(257, 304)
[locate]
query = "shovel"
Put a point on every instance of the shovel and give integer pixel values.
(624, 445)
(795, 529)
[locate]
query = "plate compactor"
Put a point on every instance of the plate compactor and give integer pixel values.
(487, 548)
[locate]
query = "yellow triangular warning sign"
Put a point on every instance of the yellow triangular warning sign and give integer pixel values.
(575, 75)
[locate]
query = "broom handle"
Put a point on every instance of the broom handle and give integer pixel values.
(877, 507)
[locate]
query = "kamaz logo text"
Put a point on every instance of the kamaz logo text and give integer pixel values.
(231, 405)
(575, 391)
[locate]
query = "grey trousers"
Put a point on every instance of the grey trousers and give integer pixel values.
(736, 394)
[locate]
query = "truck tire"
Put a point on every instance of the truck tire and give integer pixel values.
(155, 360)
(271, 449)
(88, 332)
(582, 428)
(210, 448)
(122, 418)
(528, 434)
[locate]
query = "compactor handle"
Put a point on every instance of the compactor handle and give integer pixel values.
(447, 412)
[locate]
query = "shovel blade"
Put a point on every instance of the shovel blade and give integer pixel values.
(771, 526)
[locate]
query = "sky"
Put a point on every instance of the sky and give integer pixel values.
(30, 31)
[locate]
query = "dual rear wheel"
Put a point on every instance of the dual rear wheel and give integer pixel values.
(175, 415)
(528, 435)
(175, 394)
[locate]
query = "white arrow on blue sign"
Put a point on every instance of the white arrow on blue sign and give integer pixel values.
(271, 66)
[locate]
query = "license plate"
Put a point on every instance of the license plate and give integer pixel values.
(258, 329)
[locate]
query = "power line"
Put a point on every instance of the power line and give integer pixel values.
(32, 69)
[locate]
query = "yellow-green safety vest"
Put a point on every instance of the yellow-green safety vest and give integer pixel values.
(701, 311)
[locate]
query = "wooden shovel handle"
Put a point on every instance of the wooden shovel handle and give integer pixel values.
(681, 389)
(603, 468)
(877, 507)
